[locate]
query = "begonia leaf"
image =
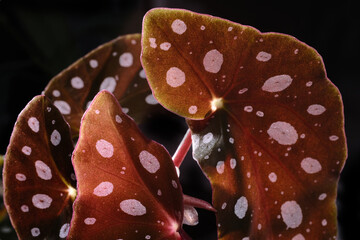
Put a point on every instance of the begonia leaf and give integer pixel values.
(114, 66)
(267, 124)
(128, 186)
(39, 180)
(6, 229)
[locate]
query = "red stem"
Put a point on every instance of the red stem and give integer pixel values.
(198, 203)
(183, 148)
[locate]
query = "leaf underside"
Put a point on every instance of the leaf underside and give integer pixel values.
(114, 66)
(267, 124)
(38, 173)
(128, 186)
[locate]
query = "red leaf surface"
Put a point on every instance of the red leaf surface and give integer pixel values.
(127, 185)
(38, 175)
(114, 66)
(272, 142)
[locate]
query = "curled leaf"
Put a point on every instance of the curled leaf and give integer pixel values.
(267, 124)
(128, 186)
(39, 181)
(114, 66)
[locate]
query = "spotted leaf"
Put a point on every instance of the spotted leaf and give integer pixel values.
(267, 124)
(114, 66)
(128, 186)
(38, 175)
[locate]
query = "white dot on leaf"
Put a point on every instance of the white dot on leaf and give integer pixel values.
(150, 99)
(109, 84)
(132, 207)
(174, 184)
(178, 26)
(56, 93)
(241, 207)
(298, 237)
(284, 133)
(103, 189)
(277, 83)
(213, 61)
(175, 77)
(165, 46)
(26, 150)
(232, 163)
(333, 138)
(77, 82)
(263, 56)
(63, 107)
(104, 148)
(126, 59)
(41, 201)
(64, 230)
(220, 166)
(34, 124)
(55, 138)
(118, 119)
(35, 232)
(291, 214)
(322, 196)
(310, 165)
(324, 222)
(153, 42)
(192, 109)
(93, 63)
(316, 109)
(272, 177)
(20, 177)
(149, 161)
(43, 170)
(24, 208)
(89, 221)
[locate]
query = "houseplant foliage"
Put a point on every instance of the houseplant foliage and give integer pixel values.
(113, 66)
(38, 159)
(128, 186)
(266, 127)
(267, 124)
(38, 176)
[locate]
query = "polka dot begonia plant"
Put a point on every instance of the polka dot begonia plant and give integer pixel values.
(265, 125)
(39, 180)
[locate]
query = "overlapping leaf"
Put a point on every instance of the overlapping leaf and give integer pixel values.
(114, 66)
(6, 229)
(273, 144)
(38, 175)
(128, 186)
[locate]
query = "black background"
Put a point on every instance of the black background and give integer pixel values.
(38, 39)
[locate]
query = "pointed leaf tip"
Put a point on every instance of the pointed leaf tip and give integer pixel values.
(128, 186)
(38, 172)
(272, 142)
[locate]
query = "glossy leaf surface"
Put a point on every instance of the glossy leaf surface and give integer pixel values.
(128, 186)
(114, 66)
(272, 142)
(38, 174)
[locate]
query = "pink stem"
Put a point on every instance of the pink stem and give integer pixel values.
(198, 203)
(183, 148)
